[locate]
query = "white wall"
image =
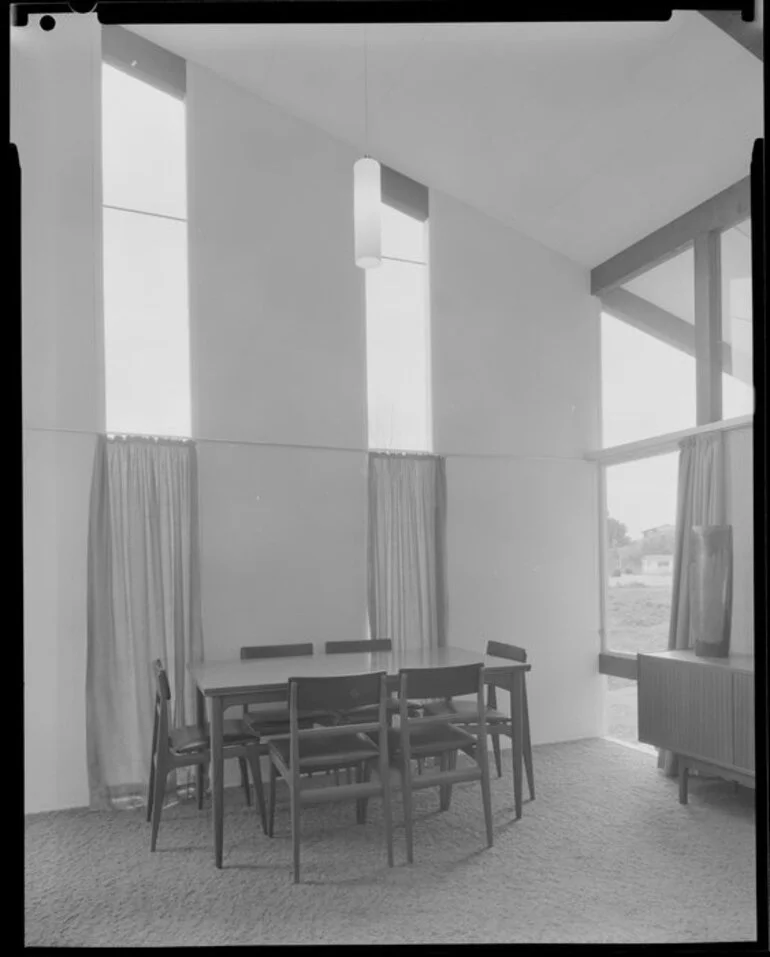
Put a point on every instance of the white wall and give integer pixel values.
(515, 402)
(55, 124)
(278, 358)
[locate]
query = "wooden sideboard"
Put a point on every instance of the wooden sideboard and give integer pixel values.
(702, 709)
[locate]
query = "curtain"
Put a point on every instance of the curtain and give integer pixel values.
(406, 549)
(700, 501)
(143, 604)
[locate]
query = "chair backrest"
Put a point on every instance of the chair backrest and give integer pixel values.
(498, 649)
(277, 651)
(162, 699)
(162, 687)
(338, 695)
(335, 693)
(350, 647)
(442, 682)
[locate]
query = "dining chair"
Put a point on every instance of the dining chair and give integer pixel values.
(356, 744)
(440, 735)
(497, 721)
(188, 746)
(271, 716)
(268, 714)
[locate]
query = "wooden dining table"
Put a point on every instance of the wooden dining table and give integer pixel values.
(228, 683)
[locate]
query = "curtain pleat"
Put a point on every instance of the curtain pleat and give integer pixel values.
(406, 550)
(700, 501)
(143, 604)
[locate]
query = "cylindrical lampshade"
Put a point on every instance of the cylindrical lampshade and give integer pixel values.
(366, 212)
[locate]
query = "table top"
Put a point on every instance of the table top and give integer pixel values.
(233, 676)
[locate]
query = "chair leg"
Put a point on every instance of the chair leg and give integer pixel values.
(363, 773)
(406, 794)
(151, 789)
(528, 758)
(200, 781)
(443, 765)
(451, 764)
(256, 773)
(153, 758)
(245, 780)
(486, 793)
(498, 756)
(271, 800)
(161, 776)
(384, 772)
(295, 834)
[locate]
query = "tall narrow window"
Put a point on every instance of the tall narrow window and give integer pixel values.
(398, 337)
(146, 328)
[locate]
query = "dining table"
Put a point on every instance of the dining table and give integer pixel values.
(235, 682)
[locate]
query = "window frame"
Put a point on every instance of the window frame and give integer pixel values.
(701, 228)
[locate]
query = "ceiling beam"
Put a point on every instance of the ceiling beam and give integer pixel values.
(749, 33)
(722, 211)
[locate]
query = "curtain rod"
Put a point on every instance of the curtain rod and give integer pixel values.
(320, 448)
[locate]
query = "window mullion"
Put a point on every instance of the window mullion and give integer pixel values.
(708, 327)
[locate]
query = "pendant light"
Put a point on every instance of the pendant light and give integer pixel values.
(367, 195)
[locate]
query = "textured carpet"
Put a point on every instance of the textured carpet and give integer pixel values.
(605, 854)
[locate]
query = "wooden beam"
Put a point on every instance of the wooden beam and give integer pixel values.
(749, 33)
(708, 328)
(662, 325)
(649, 318)
(144, 60)
(722, 211)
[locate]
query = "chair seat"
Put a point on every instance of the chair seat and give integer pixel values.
(465, 708)
(430, 739)
(335, 751)
(192, 738)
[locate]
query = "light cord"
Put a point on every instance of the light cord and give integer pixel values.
(366, 97)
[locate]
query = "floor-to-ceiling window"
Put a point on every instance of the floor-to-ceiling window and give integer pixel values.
(670, 365)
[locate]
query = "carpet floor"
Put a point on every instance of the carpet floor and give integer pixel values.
(605, 854)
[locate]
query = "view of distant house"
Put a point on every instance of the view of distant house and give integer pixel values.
(652, 554)
(657, 564)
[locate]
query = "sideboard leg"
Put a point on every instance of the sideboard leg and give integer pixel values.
(682, 782)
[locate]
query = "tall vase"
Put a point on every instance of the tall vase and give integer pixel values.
(711, 590)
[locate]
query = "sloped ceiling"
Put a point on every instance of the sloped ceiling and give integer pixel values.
(583, 136)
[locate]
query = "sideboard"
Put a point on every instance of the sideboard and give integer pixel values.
(702, 709)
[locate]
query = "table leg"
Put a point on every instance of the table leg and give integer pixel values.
(200, 709)
(517, 735)
(217, 776)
